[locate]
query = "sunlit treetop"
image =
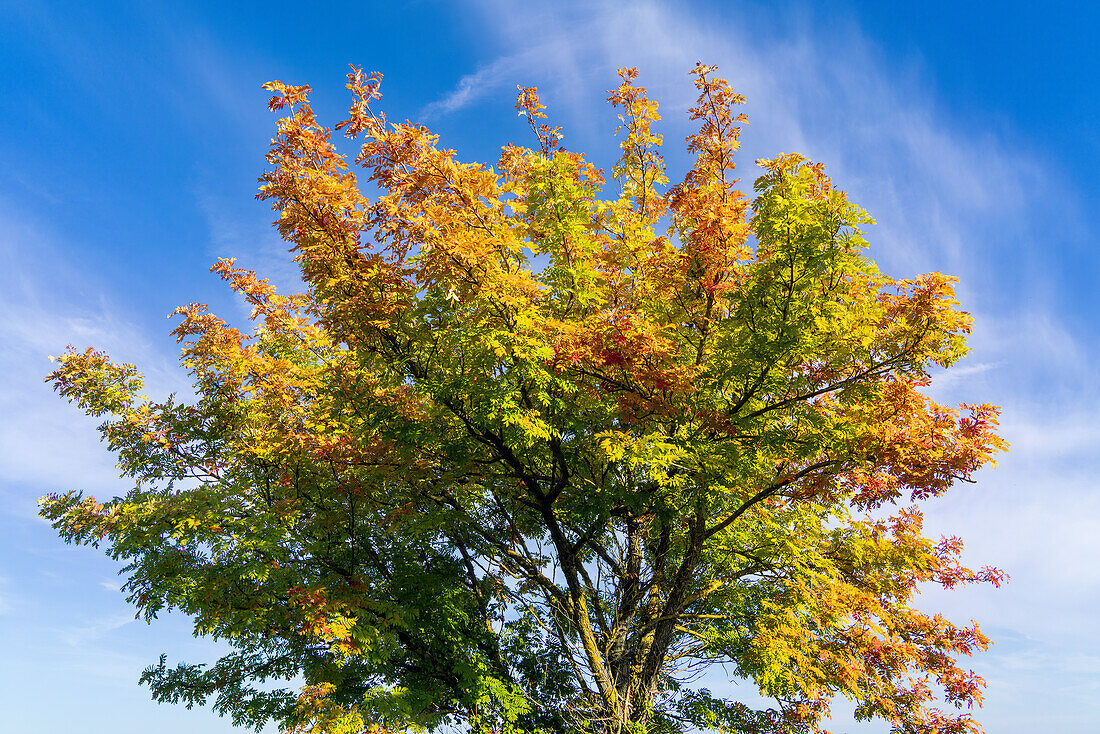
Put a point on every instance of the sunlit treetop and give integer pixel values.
(534, 448)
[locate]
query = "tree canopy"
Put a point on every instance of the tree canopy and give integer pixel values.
(534, 450)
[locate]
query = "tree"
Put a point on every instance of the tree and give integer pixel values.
(516, 461)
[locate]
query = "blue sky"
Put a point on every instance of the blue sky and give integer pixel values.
(131, 136)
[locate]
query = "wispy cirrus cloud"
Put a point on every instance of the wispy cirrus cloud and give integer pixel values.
(94, 630)
(45, 305)
(474, 86)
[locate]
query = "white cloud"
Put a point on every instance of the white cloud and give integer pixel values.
(96, 630)
(44, 442)
(472, 87)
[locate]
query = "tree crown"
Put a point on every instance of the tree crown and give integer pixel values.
(531, 451)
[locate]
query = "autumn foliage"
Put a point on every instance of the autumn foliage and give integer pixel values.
(534, 448)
